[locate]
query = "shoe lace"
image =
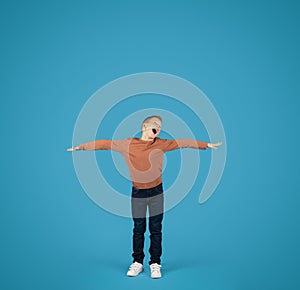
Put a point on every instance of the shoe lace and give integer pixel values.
(155, 267)
(134, 267)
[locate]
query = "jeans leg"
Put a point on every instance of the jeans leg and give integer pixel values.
(138, 239)
(139, 208)
(155, 227)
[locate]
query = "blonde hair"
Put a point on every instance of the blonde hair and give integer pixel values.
(151, 117)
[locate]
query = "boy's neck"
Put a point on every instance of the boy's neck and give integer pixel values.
(146, 138)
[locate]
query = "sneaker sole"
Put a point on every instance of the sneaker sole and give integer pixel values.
(135, 275)
(156, 277)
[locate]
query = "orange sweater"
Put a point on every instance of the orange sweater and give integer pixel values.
(143, 158)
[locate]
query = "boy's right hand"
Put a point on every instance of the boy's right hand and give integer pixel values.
(73, 148)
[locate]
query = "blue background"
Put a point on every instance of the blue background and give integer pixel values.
(244, 55)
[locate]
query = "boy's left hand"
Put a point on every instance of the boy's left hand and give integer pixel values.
(214, 145)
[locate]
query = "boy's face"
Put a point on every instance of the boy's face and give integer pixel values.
(152, 128)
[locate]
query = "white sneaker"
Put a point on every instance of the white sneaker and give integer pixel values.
(135, 269)
(155, 270)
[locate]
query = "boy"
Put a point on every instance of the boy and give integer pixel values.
(144, 158)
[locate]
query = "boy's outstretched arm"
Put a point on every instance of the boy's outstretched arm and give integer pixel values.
(169, 145)
(116, 145)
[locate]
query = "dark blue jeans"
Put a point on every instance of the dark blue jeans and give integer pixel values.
(153, 199)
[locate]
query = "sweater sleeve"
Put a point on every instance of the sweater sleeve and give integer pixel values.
(169, 145)
(116, 145)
